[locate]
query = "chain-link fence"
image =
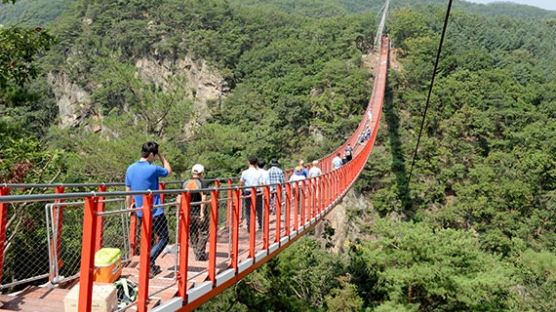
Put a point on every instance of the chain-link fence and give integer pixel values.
(26, 255)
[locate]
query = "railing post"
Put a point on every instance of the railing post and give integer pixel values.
(278, 213)
(235, 228)
(99, 226)
(329, 189)
(162, 187)
(185, 219)
(310, 193)
(3, 222)
(313, 186)
(145, 253)
(132, 231)
(303, 199)
(58, 211)
(266, 217)
(288, 208)
(335, 182)
(296, 201)
(252, 222)
(229, 202)
(213, 235)
(87, 254)
(319, 194)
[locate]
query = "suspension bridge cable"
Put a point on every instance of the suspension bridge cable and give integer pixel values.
(439, 51)
(381, 25)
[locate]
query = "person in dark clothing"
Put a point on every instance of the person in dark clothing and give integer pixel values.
(348, 152)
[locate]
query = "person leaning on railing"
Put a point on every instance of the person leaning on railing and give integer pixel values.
(144, 175)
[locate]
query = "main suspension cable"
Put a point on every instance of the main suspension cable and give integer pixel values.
(430, 89)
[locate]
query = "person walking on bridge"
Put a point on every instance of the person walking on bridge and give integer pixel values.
(199, 223)
(141, 176)
(315, 170)
(337, 162)
(348, 152)
(252, 177)
(276, 176)
(301, 164)
(297, 176)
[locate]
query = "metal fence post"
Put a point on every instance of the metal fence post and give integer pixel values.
(296, 203)
(253, 222)
(162, 187)
(99, 226)
(278, 213)
(213, 235)
(3, 220)
(229, 202)
(185, 219)
(132, 231)
(235, 228)
(87, 254)
(288, 207)
(144, 256)
(302, 200)
(266, 217)
(58, 211)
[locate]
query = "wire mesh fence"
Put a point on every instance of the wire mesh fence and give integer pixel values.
(26, 257)
(65, 240)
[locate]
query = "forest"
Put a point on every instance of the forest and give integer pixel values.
(473, 230)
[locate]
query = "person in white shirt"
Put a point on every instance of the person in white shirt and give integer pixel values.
(264, 173)
(249, 178)
(337, 162)
(315, 170)
(298, 175)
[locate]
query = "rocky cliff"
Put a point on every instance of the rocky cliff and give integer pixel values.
(204, 86)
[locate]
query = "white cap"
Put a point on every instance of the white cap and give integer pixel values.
(197, 169)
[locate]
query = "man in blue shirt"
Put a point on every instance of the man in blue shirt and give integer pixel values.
(142, 176)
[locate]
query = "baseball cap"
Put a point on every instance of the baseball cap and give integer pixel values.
(197, 168)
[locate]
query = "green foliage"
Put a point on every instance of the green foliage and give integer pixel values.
(20, 48)
(482, 199)
(344, 298)
(445, 270)
(22, 156)
(32, 12)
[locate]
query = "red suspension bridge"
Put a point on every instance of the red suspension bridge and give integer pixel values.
(185, 283)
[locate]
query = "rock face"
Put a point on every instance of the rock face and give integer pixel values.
(344, 229)
(203, 85)
(74, 103)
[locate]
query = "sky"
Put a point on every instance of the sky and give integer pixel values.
(545, 4)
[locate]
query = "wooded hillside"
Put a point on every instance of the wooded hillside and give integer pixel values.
(474, 230)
